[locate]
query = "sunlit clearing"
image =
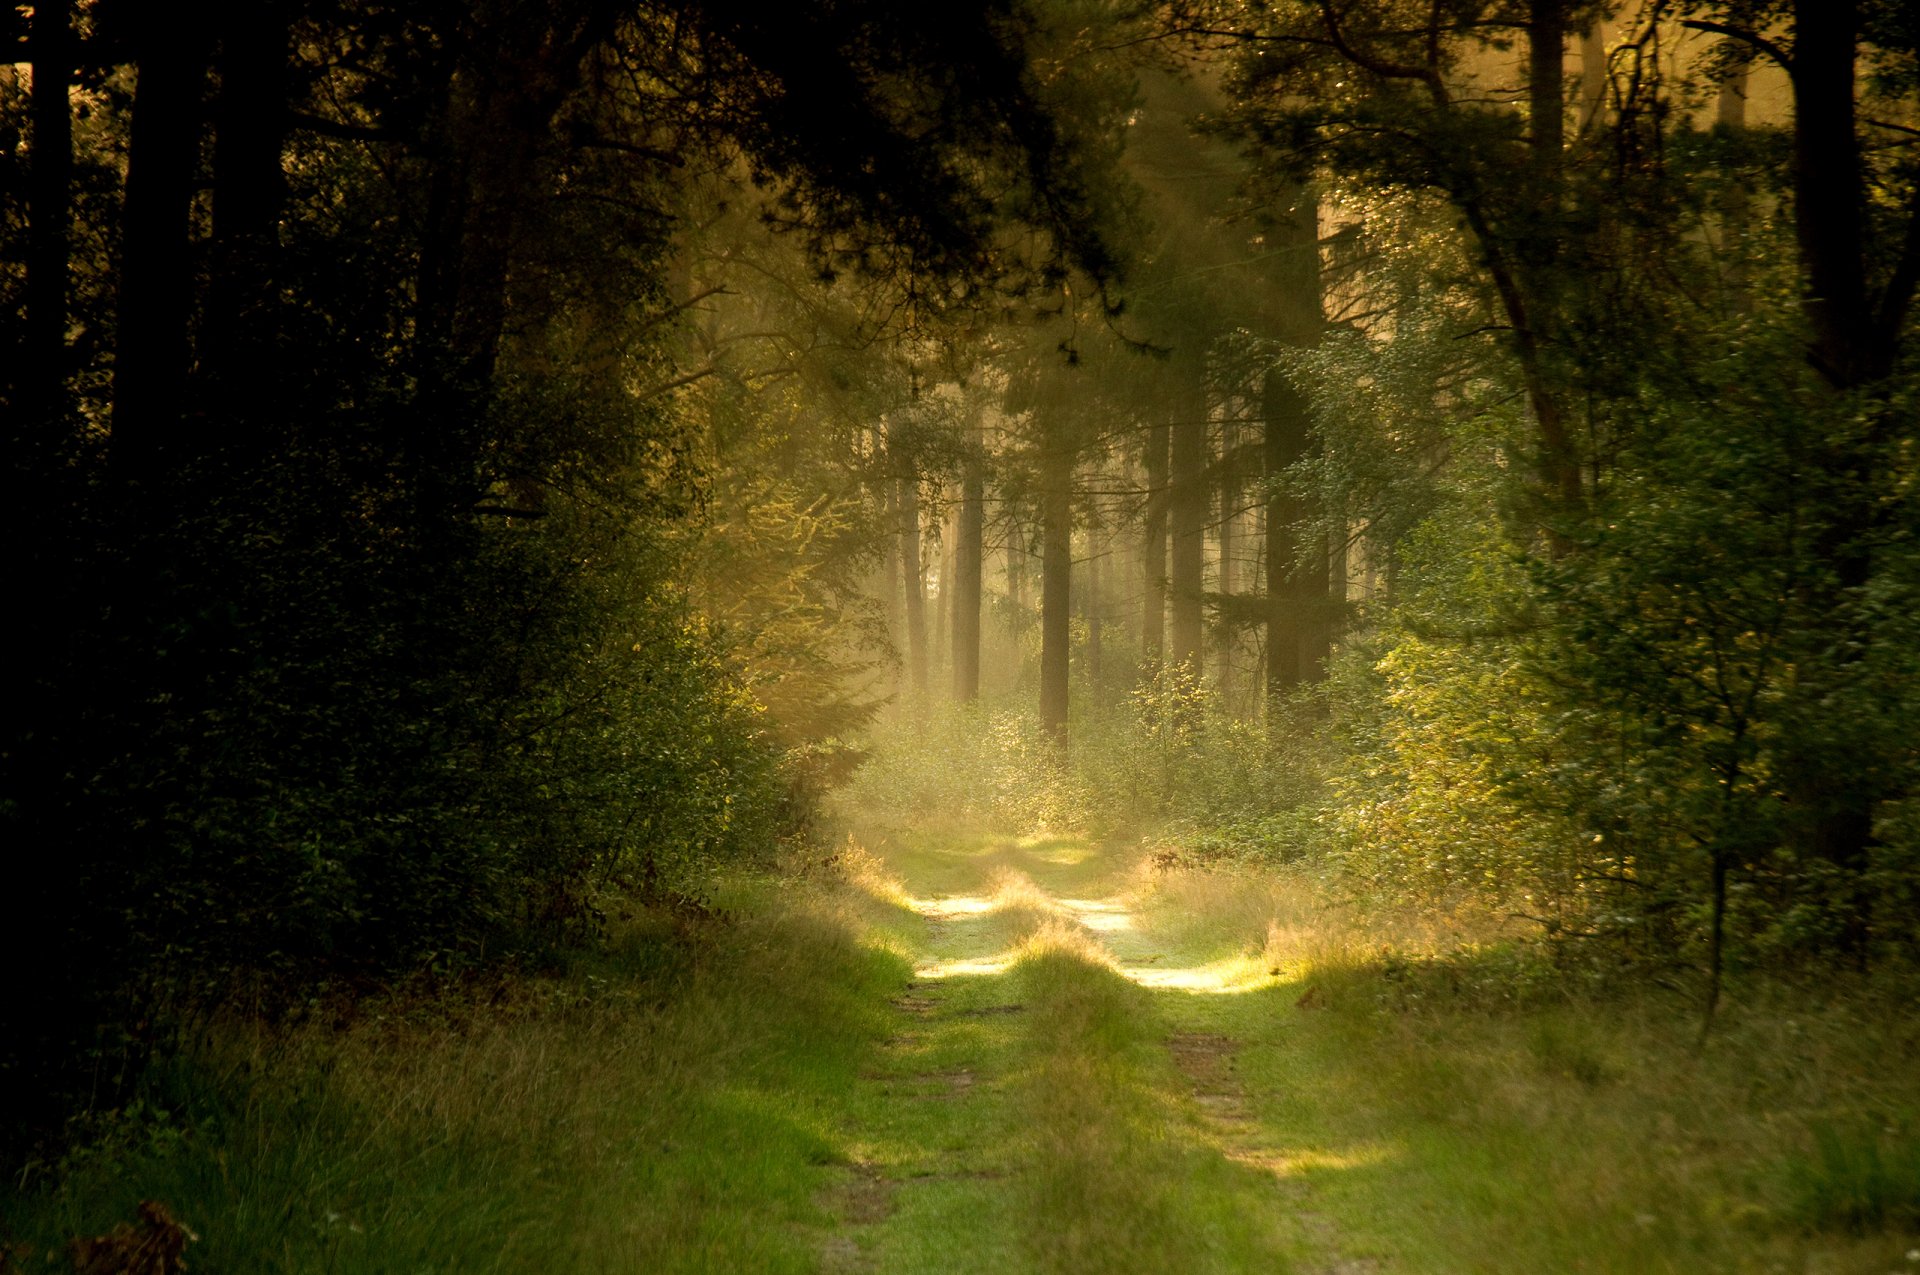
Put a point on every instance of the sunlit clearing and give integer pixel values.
(1230, 977)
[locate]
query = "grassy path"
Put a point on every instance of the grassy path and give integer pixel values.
(1017, 1057)
(1053, 1097)
(1094, 1069)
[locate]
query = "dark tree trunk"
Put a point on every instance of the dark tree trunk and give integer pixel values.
(1056, 565)
(1153, 548)
(43, 370)
(154, 313)
(237, 350)
(1188, 521)
(1538, 324)
(1828, 192)
(1229, 581)
(1314, 588)
(1547, 91)
(496, 123)
(1853, 344)
(966, 576)
(1286, 440)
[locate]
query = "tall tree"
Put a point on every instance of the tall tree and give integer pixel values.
(1056, 567)
(1188, 487)
(913, 579)
(1153, 542)
(155, 304)
(43, 367)
(970, 525)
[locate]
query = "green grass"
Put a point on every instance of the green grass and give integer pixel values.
(595, 1132)
(991, 1054)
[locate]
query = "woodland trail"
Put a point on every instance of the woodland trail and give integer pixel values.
(990, 1055)
(1065, 1086)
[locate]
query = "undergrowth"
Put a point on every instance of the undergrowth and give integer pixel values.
(595, 1119)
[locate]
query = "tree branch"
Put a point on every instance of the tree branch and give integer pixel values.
(1752, 39)
(343, 130)
(1380, 66)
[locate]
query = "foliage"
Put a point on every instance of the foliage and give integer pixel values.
(396, 590)
(1856, 1178)
(1168, 763)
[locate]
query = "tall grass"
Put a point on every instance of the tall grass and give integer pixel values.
(590, 1121)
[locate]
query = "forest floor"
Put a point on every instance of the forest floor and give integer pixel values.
(984, 1054)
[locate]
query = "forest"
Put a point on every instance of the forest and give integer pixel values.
(1010, 636)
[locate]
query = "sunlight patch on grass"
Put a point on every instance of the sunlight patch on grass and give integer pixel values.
(1295, 1163)
(972, 967)
(1101, 915)
(945, 907)
(1236, 975)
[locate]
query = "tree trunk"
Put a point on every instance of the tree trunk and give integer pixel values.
(1736, 201)
(1547, 91)
(43, 370)
(1017, 613)
(155, 306)
(1229, 578)
(940, 639)
(1153, 550)
(1056, 559)
(1285, 409)
(892, 609)
(1853, 344)
(1828, 192)
(237, 347)
(913, 582)
(1093, 607)
(498, 112)
(966, 571)
(1593, 75)
(1314, 589)
(1187, 517)
(1537, 326)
